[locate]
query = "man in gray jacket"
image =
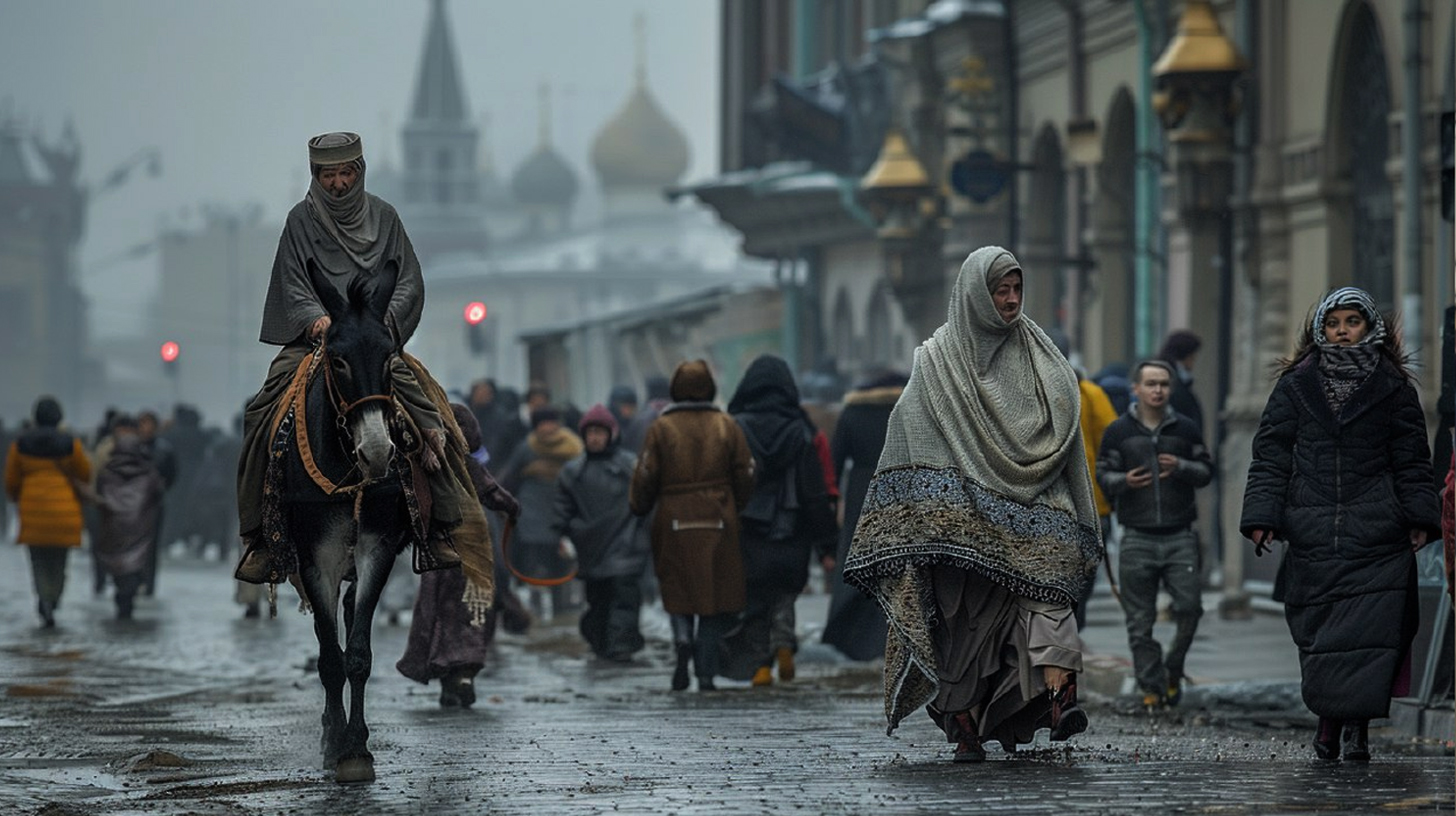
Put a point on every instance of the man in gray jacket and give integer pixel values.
(612, 544)
(1151, 460)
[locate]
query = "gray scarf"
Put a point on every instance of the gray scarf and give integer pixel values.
(349, 219)
(984, 469)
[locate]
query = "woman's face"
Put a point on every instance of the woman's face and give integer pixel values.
(1007, 296)
(1345, 327)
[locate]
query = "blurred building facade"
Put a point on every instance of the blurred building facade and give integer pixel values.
(514, 244)
(1076, 133)
(43, 326)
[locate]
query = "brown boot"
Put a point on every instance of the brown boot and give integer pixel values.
(254, 567)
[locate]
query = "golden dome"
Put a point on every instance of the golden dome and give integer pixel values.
(640, 146)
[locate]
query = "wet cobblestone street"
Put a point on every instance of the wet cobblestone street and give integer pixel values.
(191, 709)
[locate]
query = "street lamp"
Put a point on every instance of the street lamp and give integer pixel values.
(1197, 102)
(899, 194)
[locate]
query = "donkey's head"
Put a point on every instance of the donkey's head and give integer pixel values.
(360, 346)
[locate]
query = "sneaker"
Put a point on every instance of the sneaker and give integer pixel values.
(1175, 692)
(1152, 700)
(763, 677)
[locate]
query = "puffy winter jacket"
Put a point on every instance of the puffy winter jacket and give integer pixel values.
(38, 473)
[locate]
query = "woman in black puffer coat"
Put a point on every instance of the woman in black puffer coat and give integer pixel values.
(1342, 472)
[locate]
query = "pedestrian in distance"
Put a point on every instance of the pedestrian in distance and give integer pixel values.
(611, 543)
(856, 625)
(979, 529)
(1150, 462)
(46, 469)
(530, 474)
(130, 487)
(443, 644)
(1180, 350)
(1341, 472)
(696, 472)
(789, 518)
(1096, 415)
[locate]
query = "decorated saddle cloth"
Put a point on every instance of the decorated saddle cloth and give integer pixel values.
(441, 503)
(983, 469)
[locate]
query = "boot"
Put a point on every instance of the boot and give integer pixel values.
(763, 677)
(1067, 717)
(1357, 741)
(785, 657)
(968, 745)
(47, 614)
(254, 567)
(680, 678)
(1327, 739)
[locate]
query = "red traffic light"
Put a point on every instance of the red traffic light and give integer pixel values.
(170, 351)
(474, 313)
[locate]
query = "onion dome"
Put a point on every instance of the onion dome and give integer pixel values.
(544, 178)
(640, 146)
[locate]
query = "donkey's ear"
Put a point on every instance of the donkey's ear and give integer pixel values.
(328, 295)
(383, 290)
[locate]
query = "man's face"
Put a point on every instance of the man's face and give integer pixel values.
(626, 410)
(1153, 387)
(597, 438)
(536, 399)
(338, 178)
(482, 394)
(547, 428)
(147, 428)
(1007, 297)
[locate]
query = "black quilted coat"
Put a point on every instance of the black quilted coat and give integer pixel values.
(1345, 492)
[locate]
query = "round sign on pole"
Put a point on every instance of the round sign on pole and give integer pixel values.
(978, 175)
(474, 313)
(170, 351)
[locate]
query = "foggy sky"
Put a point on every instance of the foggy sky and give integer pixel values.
(230, 90)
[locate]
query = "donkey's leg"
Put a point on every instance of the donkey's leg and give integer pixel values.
(373, 559)
(322, 563)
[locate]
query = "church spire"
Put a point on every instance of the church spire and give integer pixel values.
(438, 93)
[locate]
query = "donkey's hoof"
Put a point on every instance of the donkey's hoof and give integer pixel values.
(355, 769)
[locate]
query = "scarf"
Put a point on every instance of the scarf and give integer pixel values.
(351, 219)
(1343, 368)
(983, 468)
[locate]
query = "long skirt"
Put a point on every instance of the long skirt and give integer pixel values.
(992, 645)
(441, 639)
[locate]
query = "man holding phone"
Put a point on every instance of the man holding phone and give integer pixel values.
(1150, 462)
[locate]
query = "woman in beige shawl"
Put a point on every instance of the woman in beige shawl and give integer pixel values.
(979, 527)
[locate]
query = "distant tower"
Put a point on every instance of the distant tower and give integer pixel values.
(441, 204)
(545, 185)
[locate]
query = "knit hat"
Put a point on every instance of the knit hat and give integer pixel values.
(47, 413)
(599, 416)
(546, 413)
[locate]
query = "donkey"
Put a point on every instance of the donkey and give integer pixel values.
(347, 420)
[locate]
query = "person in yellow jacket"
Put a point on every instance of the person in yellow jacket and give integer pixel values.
(1097, 414)
(42, 468)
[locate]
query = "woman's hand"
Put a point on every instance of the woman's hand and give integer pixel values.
(1263, 540)
(1418, 539)
(319, 327)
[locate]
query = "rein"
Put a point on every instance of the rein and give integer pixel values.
(510, 525)
(300, 408)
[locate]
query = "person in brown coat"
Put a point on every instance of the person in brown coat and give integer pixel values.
(41, 470)
(696, 470)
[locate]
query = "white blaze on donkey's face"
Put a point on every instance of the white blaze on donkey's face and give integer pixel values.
(373, 449)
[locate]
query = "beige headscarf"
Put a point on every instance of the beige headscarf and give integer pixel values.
(983, 468)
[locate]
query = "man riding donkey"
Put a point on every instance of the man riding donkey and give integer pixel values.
(349, 234)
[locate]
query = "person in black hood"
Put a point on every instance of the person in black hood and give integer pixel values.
(788, 515)
(131, 488)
